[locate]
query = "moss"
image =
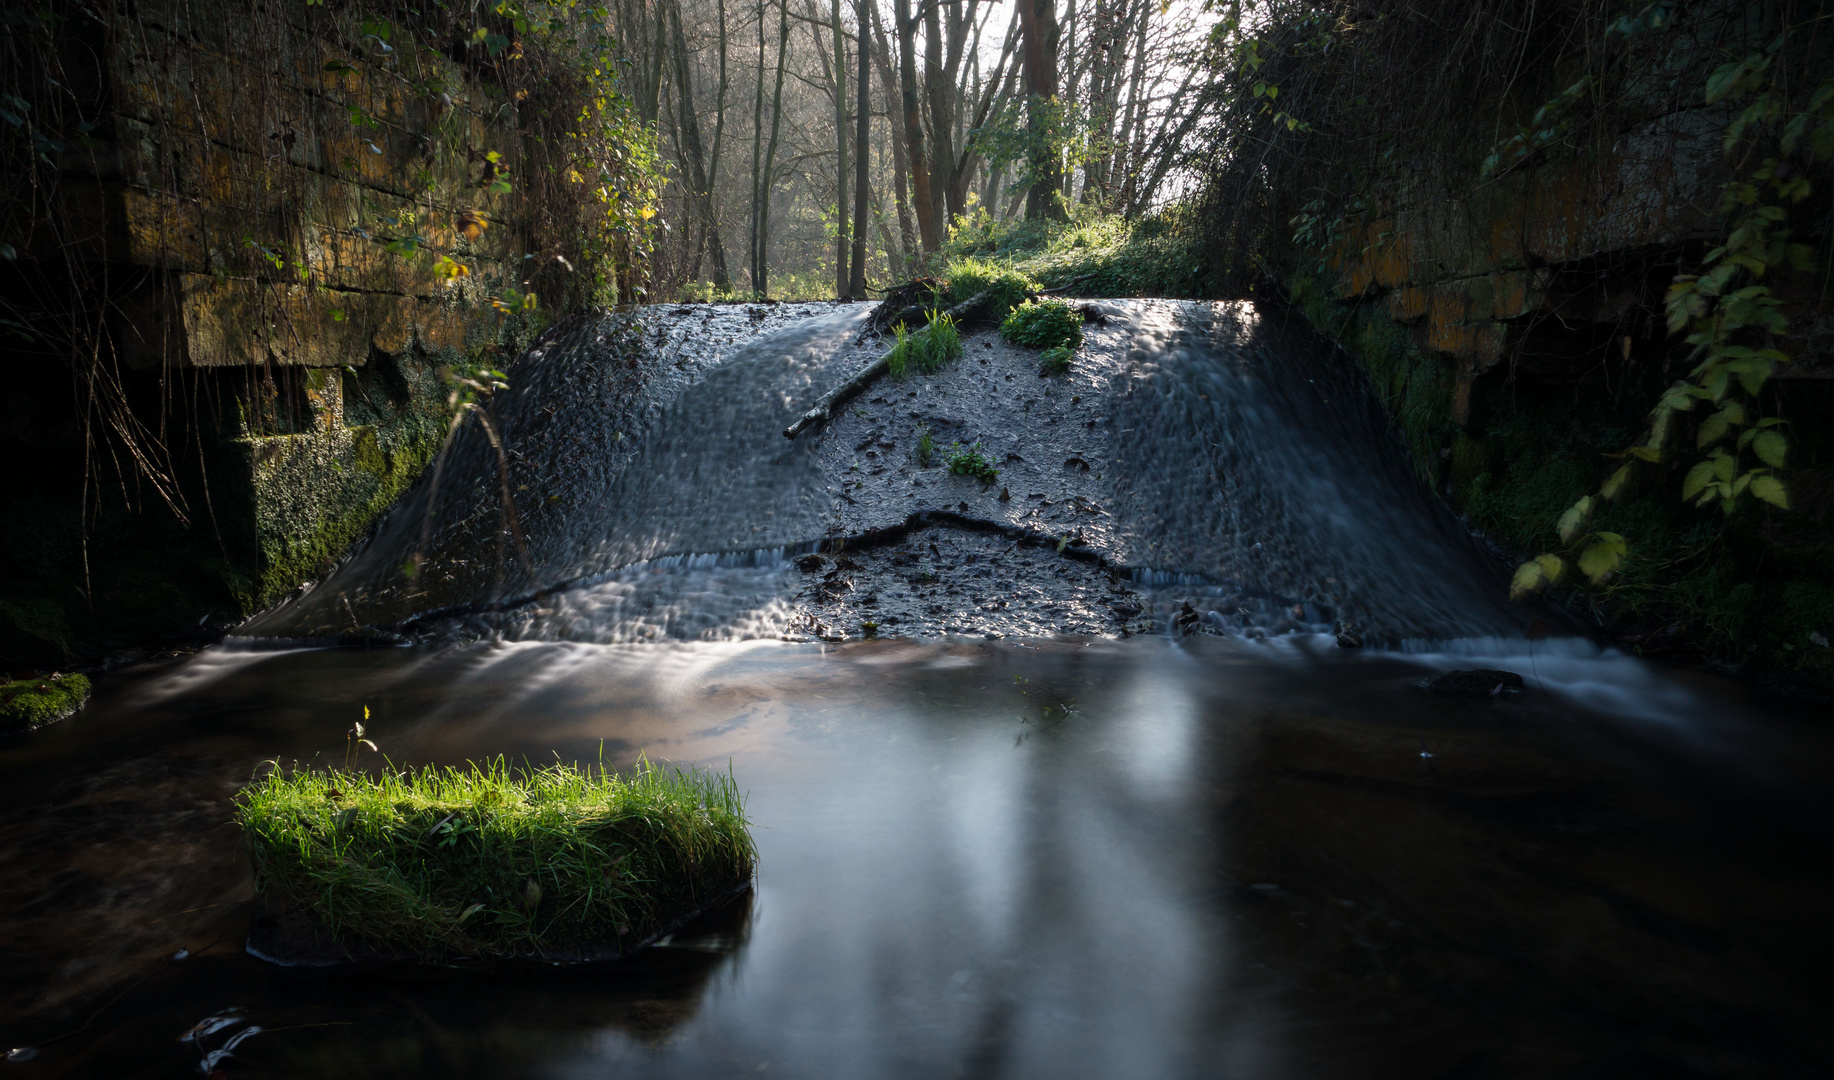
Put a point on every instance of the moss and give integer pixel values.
(1092, 255)
(31, 703)
(488, 861)
(1755, 590)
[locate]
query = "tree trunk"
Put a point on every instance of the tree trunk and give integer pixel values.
(719, 138)
(842, 246)
(913, 128)
(702, 194)
(862, 140)
(1038, 27)
(757, 162)
(888, 87)
(936, 88)
(770, 153)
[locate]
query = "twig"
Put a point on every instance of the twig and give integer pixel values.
(825, 406)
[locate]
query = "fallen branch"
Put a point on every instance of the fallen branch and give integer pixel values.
(1070, 284)
(825, 406)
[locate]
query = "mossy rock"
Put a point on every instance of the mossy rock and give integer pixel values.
(487, 862)
(32, 703)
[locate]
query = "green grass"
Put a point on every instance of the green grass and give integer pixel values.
(29, 703)
(968, 277)
(1043, 324)
(489, 861)
(1056, 361)
(1093, 254)
(927, 350)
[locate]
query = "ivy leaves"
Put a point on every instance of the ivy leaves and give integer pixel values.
(1733, 320)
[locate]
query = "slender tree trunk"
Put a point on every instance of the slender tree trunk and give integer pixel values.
(689, 125)
(888, 87)
(757, 162)
(842, 244)
(913, 128)
(719, 138)
(770, 153)
(862, 140)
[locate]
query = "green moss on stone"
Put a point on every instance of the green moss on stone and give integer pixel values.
(30, 703)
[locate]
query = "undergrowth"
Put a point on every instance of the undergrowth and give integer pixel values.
(1093, 254)
(1043, 324)
(489, 860)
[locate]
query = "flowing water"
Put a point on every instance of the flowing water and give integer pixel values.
(1187, 854)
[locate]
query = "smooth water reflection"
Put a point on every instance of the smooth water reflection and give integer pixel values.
(1142, 859)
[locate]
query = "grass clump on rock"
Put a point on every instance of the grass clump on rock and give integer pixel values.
(1043, 324)
(30, 703)
(487, 861)
(927, 350)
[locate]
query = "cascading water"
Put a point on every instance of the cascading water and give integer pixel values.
(1239, 459)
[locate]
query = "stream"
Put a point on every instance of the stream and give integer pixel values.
(1150, 820)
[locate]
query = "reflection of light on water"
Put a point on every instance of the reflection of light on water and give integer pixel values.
(1156, 726)
(1604, 680)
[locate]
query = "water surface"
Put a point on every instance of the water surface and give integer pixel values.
(1154, 858)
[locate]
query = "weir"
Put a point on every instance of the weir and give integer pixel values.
(1220, 451)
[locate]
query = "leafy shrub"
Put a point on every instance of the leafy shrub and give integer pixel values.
(968, 277)
(1056, 361)
(969, 461)
(1043, 324)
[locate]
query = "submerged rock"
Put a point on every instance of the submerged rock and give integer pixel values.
(1479, 682)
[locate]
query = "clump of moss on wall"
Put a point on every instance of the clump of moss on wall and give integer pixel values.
(1415, 387)
(315, 494)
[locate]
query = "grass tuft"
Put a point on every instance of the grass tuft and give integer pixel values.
(490, 861)
(927, 350)
(969, 461)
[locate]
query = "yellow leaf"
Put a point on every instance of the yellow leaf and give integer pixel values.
(1615, 483)
(1602, 557)
(1553, 567)
(1528, 579)
(1574, 519)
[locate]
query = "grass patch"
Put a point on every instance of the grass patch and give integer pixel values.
(489, 861)
(1091, 255)
(1056, 361)
(1043, 324)
(29, 703)
(969, 461)
(927, 350)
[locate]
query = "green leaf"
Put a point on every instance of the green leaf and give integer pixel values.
(1753, 375)
(1771, 490)
(1697, 479)
(1771, 447)
(1712, 429)
(1602, 556)
(1574, 519)
(1723, 466)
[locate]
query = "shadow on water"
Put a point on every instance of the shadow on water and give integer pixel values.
(1142, 859)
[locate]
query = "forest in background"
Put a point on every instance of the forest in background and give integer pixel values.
(795, 170)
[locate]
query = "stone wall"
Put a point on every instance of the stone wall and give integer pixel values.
(269, 209)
